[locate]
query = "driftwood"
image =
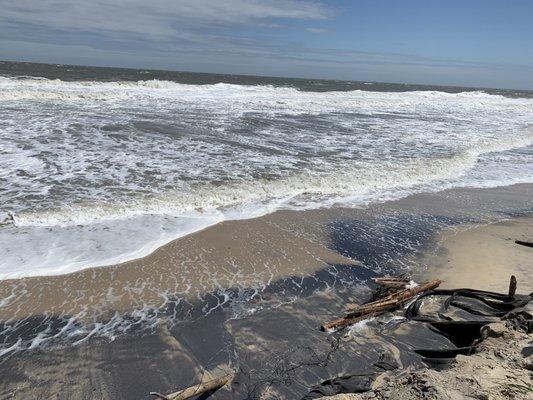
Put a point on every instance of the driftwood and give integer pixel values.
(512, 286)
(196, 390)
(401, 295)
(522, 243)
(391, 282)
(352, 318)
(375, 306)
(387, 303)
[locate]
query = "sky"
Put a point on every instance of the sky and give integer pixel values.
(484, 43)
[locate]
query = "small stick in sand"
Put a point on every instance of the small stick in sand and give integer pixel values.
(196, 390)
(522, 243)
(512, 286)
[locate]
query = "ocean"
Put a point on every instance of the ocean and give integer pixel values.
(103, 165)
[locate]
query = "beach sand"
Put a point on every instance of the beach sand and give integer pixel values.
(484, 257)
(249, 293)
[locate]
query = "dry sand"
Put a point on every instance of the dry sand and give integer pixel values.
(484, 257)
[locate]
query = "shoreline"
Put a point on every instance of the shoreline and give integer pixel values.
(162, 245)
(251, 253)
(41, 243)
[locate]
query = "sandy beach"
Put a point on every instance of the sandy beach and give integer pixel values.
(484, 256)
(266, 200)
(243, 293)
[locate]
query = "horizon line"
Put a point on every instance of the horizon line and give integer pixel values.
(266, 76)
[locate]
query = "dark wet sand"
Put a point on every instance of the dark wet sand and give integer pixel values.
(241, 292)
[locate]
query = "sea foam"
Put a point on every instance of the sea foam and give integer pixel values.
(96, 173)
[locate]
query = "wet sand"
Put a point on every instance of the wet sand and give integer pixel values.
(236, 254)
(240, 293)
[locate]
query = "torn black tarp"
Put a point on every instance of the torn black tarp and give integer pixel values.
(356, 383)
(459, 316)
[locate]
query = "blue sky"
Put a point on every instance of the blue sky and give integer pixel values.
(468, 42)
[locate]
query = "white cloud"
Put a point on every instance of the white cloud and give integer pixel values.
(160, 18)
(239, 36)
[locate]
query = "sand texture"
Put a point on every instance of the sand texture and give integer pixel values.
(484, 257)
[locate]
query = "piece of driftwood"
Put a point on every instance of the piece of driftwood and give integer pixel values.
(389, 302)
(388, 285)
(346, 321)
(196, 390)
(364, 313)
(375, 306)
(391, 282)
(512, 286)
(392, 279)
(522, 243)
(404, 294)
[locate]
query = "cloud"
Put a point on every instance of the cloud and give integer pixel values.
(316, 30)
(155, 18)
(230, 36)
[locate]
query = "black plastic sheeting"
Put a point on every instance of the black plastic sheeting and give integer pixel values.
(476, 302)
(357, 383)
(471, 309)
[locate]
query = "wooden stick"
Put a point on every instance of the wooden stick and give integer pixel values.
(411, 292)
(346, 321)
(352, 318)
(404, 294)
(512, 286)
(389, 279)
(527, 244)
(196, 390)
(393, 283)
(371, 307)
(388, 303)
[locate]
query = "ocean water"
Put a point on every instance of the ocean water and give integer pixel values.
(98, 166)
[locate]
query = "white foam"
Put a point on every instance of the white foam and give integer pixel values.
(101, 172)
(39, 251)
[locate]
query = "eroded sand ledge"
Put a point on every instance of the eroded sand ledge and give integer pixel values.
(500, 370)
(481, 257)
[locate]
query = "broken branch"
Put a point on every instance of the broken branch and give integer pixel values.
(376, 307)
(196, 390)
